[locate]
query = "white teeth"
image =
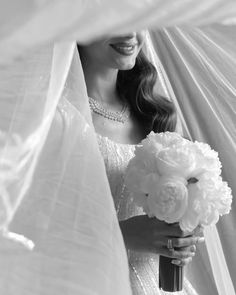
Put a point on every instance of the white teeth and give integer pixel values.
(125, 47)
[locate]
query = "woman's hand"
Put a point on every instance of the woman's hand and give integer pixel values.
(145, 234)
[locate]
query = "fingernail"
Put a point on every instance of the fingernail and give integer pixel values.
(176, 262)
(201, 240)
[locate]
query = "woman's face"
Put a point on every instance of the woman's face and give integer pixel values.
(118, 52)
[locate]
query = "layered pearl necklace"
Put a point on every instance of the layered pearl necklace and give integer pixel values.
(121, 116)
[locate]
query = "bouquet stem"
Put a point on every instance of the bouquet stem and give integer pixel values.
(170, 275)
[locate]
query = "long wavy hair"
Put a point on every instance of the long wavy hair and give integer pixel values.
(136, 86)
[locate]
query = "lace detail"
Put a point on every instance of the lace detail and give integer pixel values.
(143, 266)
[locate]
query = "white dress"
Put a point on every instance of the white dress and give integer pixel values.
(143, 266)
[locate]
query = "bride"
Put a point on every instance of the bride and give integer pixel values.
(120, 83)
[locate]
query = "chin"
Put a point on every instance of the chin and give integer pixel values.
(126, 68)
(126, 65)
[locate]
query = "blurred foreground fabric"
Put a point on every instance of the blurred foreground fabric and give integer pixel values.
(31, 23)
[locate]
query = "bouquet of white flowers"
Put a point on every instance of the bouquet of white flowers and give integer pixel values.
(176, 180)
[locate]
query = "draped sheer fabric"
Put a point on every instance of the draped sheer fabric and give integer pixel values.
(200, 77)
(48, 146)
(50, 167)
(31, 23)
(28, 102)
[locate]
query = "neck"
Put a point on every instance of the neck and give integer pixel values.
(100, 82)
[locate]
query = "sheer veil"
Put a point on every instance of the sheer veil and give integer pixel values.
(67, 211)
(53, 186)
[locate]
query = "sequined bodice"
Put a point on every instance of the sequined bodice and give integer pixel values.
(116, 157)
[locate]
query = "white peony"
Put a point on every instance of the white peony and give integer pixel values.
(215, 199)
(168, 198)
(207, 160)
(177, 160)
(134, 176)
(151, 146)
(140, 200)
(191, 218)
(177, 180)
(139, 185)
(209, 198)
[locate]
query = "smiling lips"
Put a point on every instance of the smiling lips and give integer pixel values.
(124, 48)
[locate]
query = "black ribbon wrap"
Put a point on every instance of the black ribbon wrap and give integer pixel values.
(170, 275)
